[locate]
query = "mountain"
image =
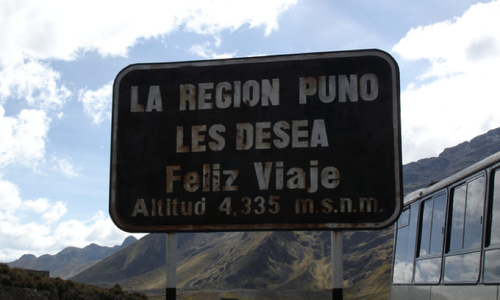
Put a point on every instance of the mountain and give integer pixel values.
(275, 261)
(425, 171)
(278, 265)
(279, 262)
(70, 261)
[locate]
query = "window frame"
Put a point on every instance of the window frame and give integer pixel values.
(489, 211)
(413, 208)
(487, 245)
(418, 257)
(447, 252)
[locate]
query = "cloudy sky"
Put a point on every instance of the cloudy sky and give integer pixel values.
(58, 60)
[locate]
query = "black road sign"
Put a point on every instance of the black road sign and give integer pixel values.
(291, 142)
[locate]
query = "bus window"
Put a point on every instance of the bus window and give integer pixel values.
(436, 246)
(462, 261)
(404, 218)
(492, 254)
(474, 213)
(405, 246)
(492, 266)
(462, 267)
(425, 228)
(457, 219)
(428, 264)
(495, 211)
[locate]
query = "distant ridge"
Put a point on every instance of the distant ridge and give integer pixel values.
(425, 171)
(69, 261)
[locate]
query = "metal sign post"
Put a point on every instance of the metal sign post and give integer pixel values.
(337, 266)
(171, 286)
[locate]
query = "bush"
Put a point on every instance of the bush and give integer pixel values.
(4, 269)
(46, 284)
(28, 282)
(62, 285)
(6, 281)
(116, 290)
(18, 277)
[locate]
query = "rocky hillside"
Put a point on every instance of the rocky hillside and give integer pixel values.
(283, 264)
(70, 261)
(280, 261)
(421, 173)
(273, 261)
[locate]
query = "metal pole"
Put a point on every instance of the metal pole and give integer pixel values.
(171, 292)
(337, 266)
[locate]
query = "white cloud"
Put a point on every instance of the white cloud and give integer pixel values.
(9, 196)
(98, 229)
(65, 166)
(50, 234)
(97, 104)
(55, 212)
(205, 51)
(456, 98)
(17, 236)
(215, 16)
(39, 205)
(53, 29)
(50, 212)
(22, 137)
(37, 226)
(33, 81)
